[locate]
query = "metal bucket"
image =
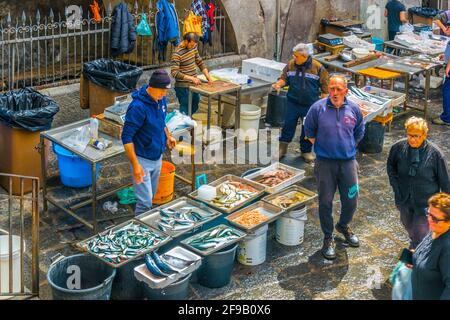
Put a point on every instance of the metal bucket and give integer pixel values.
(176, 291)
(215, 271)
(80, 277)
(125, 285)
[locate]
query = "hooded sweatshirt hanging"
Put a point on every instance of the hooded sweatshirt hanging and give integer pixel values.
(167, 27)
(123, 31)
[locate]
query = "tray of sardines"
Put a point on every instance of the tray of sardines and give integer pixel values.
(179, 216)
(213, 240)
(232, 193)
(277, 177)
(123, 243)
(255, 216)
(291, 198)
(161, 270)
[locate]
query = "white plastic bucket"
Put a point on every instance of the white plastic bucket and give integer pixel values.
(290, 228)
(252, 250)
(249, 126)
(4, 263)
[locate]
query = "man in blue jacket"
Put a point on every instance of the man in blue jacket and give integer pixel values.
(335, 126)
(145, 137)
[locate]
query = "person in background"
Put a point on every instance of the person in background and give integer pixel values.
(308, 82)
(335, 126)
(145, 137)
(442, 20)
(395, 12)
(185, 60)
(430, 278)
(444, 118)
(417, 169)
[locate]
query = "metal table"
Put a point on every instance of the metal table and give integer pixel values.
(397, 47)
(93, 156)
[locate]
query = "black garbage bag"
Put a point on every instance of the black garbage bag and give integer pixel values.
(27, 109)
(112, 75)
(425, 11)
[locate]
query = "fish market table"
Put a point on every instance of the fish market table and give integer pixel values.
(88, 153)
(406, 50)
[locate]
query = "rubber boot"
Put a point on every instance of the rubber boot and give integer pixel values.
(283, 149)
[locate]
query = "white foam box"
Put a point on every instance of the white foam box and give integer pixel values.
(263, 69)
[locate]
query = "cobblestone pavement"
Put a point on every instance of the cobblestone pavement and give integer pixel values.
(289, 272)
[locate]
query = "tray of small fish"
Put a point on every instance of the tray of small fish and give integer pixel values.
(396, 98)
(291, 198)
(233, 193)
(255, 216)
(160, 271)
(277, 177)
(123, 243)
(213, 240)
(179, 216)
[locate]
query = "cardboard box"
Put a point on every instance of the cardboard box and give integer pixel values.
(109, 127)
(264, 69)
(101, 98)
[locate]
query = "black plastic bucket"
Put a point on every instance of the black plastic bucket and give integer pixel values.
(276, 109)
(94, 282)
(125, 285)
(176, 291)
(373, 140)
(216, 269)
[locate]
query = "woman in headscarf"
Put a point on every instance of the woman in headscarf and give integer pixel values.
(417, 169)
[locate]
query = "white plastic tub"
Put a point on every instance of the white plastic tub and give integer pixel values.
(252, 250)
(249, 126)
(290, 228)
(4, 263)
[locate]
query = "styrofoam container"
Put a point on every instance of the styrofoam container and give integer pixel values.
(263, 69)
(290, 228)
(142, 274)
(4, 263)
(435, 82)
(252, 250)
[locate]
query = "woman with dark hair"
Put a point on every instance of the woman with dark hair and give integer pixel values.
(185, 60)
(430, 277)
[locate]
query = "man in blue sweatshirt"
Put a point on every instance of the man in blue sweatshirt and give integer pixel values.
(145, 137)
(335, 126)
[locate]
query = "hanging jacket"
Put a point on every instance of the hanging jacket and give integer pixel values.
(123, 31)
(167, 26)
(306, 82)
(199, 10)
(210, 13)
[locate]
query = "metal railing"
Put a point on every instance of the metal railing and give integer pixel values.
(16, 222)
(49, 51)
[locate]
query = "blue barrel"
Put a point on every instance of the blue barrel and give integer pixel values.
(80, 277)
(216, 269)
(378, 42)
(74, 171)
(176, 291)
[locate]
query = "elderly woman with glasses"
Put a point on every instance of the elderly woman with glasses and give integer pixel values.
(417, 169)
(430, 278)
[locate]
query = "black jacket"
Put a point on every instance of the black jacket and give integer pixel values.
(430, 278)
(432, 175)
(123, 31)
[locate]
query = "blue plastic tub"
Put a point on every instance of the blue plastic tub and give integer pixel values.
(74, 171)
(378, 42)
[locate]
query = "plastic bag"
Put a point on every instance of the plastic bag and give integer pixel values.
(193, 23)
(400, 279)
(176, 121)
(405, 28)
(27, 109)
(95, 9)
(143, 28)
(112, 75)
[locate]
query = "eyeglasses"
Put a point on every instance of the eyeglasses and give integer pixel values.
(434, 219)
(415, 136)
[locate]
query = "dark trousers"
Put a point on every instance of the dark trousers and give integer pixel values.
(330, 175)
(415, 222)
(293, 113)
(392, 35)
(445, 116)
(183, 99)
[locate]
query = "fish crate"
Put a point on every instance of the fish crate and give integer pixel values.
(309, 197)
(260, 190)
(298, 175)
(271, 211)
(144, 275)
(83, 245)
(207, 252)
(152, 217)
(396, 98)
(375, 109)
